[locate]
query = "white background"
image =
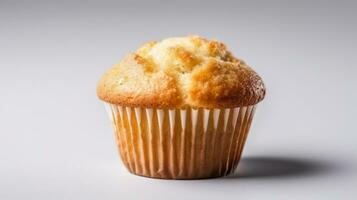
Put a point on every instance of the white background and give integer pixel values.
(56, 141)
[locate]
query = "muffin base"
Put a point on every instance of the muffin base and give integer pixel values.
(180, 143)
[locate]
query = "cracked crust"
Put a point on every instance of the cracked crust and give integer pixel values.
(181, 72)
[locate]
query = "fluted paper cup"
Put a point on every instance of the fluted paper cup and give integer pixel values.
(180, 143)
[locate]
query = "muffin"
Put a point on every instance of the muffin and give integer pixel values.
(181, 108)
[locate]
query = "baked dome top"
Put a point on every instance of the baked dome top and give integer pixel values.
(181, 72)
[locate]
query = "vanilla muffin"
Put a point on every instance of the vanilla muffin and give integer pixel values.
(181, 108)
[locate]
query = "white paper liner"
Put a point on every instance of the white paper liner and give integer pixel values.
(180, 143)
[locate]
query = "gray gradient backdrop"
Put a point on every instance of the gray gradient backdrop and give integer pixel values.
(57, 143)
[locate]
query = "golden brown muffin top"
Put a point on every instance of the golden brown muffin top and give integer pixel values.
(181, 72)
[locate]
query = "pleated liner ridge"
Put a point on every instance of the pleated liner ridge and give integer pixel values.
(180, 144)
